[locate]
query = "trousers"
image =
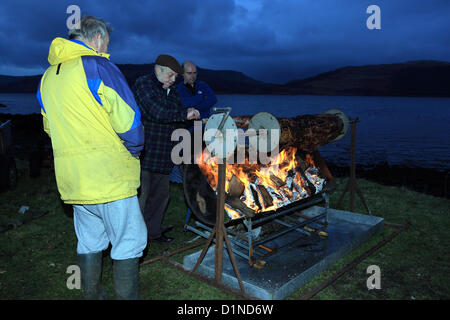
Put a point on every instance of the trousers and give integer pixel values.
(154, 199)
(118, 222)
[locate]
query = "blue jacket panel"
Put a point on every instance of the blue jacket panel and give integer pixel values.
(203, 99)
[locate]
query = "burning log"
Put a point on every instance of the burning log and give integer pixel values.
(237, 204)
(235, 187)
(267, 198)
(313, 175)
(255, 196)
(278, 182)
(311, 188)
(280, 197)
(302, 192)
(289, 183)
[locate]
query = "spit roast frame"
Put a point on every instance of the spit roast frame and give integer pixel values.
(253, 248)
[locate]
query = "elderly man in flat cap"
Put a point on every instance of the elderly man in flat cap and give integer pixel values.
(162, 112)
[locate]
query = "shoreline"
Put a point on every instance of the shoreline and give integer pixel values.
(424, 180)
(29, 139)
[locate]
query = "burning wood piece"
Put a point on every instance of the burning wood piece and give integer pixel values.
(235, 187)
(275, 194)
(289, 183)
(278, 195)
(255, 196)
(267, 198)
(278, 182)
(301, 191)
(237, 204)
(313, 175)
(309, 186)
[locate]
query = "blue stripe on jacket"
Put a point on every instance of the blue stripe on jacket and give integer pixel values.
(38, 96)
(113, 78)
(81, 43)
(98, 69)
(94, 84)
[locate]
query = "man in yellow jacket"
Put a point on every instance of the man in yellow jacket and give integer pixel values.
(95, 127)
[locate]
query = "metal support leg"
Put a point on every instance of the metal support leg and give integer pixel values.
(186, 219)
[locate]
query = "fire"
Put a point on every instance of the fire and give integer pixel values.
(233, 214)
(265, 187)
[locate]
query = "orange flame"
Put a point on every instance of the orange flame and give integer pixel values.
(251, 175)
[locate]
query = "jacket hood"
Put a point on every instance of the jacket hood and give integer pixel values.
(62, 50)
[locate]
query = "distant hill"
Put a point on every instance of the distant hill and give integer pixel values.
(222, 81)
(19, 84)
(415, 78)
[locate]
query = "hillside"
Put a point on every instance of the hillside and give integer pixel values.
(416, 78)
(222, 81)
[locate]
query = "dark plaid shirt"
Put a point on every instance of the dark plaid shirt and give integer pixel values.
(161, 114)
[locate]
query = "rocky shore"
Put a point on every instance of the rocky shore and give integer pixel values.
(30, 141)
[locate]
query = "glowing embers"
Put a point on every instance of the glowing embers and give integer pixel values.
(252, 188)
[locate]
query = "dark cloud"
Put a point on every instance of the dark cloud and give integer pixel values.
(272, 40)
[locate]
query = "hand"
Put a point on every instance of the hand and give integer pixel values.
(193, 114)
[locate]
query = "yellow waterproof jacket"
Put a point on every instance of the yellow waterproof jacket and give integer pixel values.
(94, 124)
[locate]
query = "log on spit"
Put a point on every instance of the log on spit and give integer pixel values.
(306, 132)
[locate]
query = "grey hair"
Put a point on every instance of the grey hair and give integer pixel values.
(89, 27)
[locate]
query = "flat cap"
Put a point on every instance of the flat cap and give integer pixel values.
(169, 61)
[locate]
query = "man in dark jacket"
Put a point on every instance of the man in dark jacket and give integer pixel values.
(162, 112)
(194, 93)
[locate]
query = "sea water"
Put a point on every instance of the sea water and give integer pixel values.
(394, 130)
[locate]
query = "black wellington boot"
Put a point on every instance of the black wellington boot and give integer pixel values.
(126, 279)
(91, 276)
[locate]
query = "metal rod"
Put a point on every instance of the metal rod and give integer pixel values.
(235, 242)
(250, 242)
(209, 281)
(289, 229)
(233, 260)
(172, 253)
(251, 245)
(205, 249)
(220, 233)
(284, 212)
(308, 218)
(229, 231)
(287, 224)
(352, 184)
(259, 245)
(219, 222)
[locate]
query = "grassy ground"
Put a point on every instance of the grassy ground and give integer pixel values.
(34, 257)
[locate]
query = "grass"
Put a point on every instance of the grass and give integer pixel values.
(34, 257)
